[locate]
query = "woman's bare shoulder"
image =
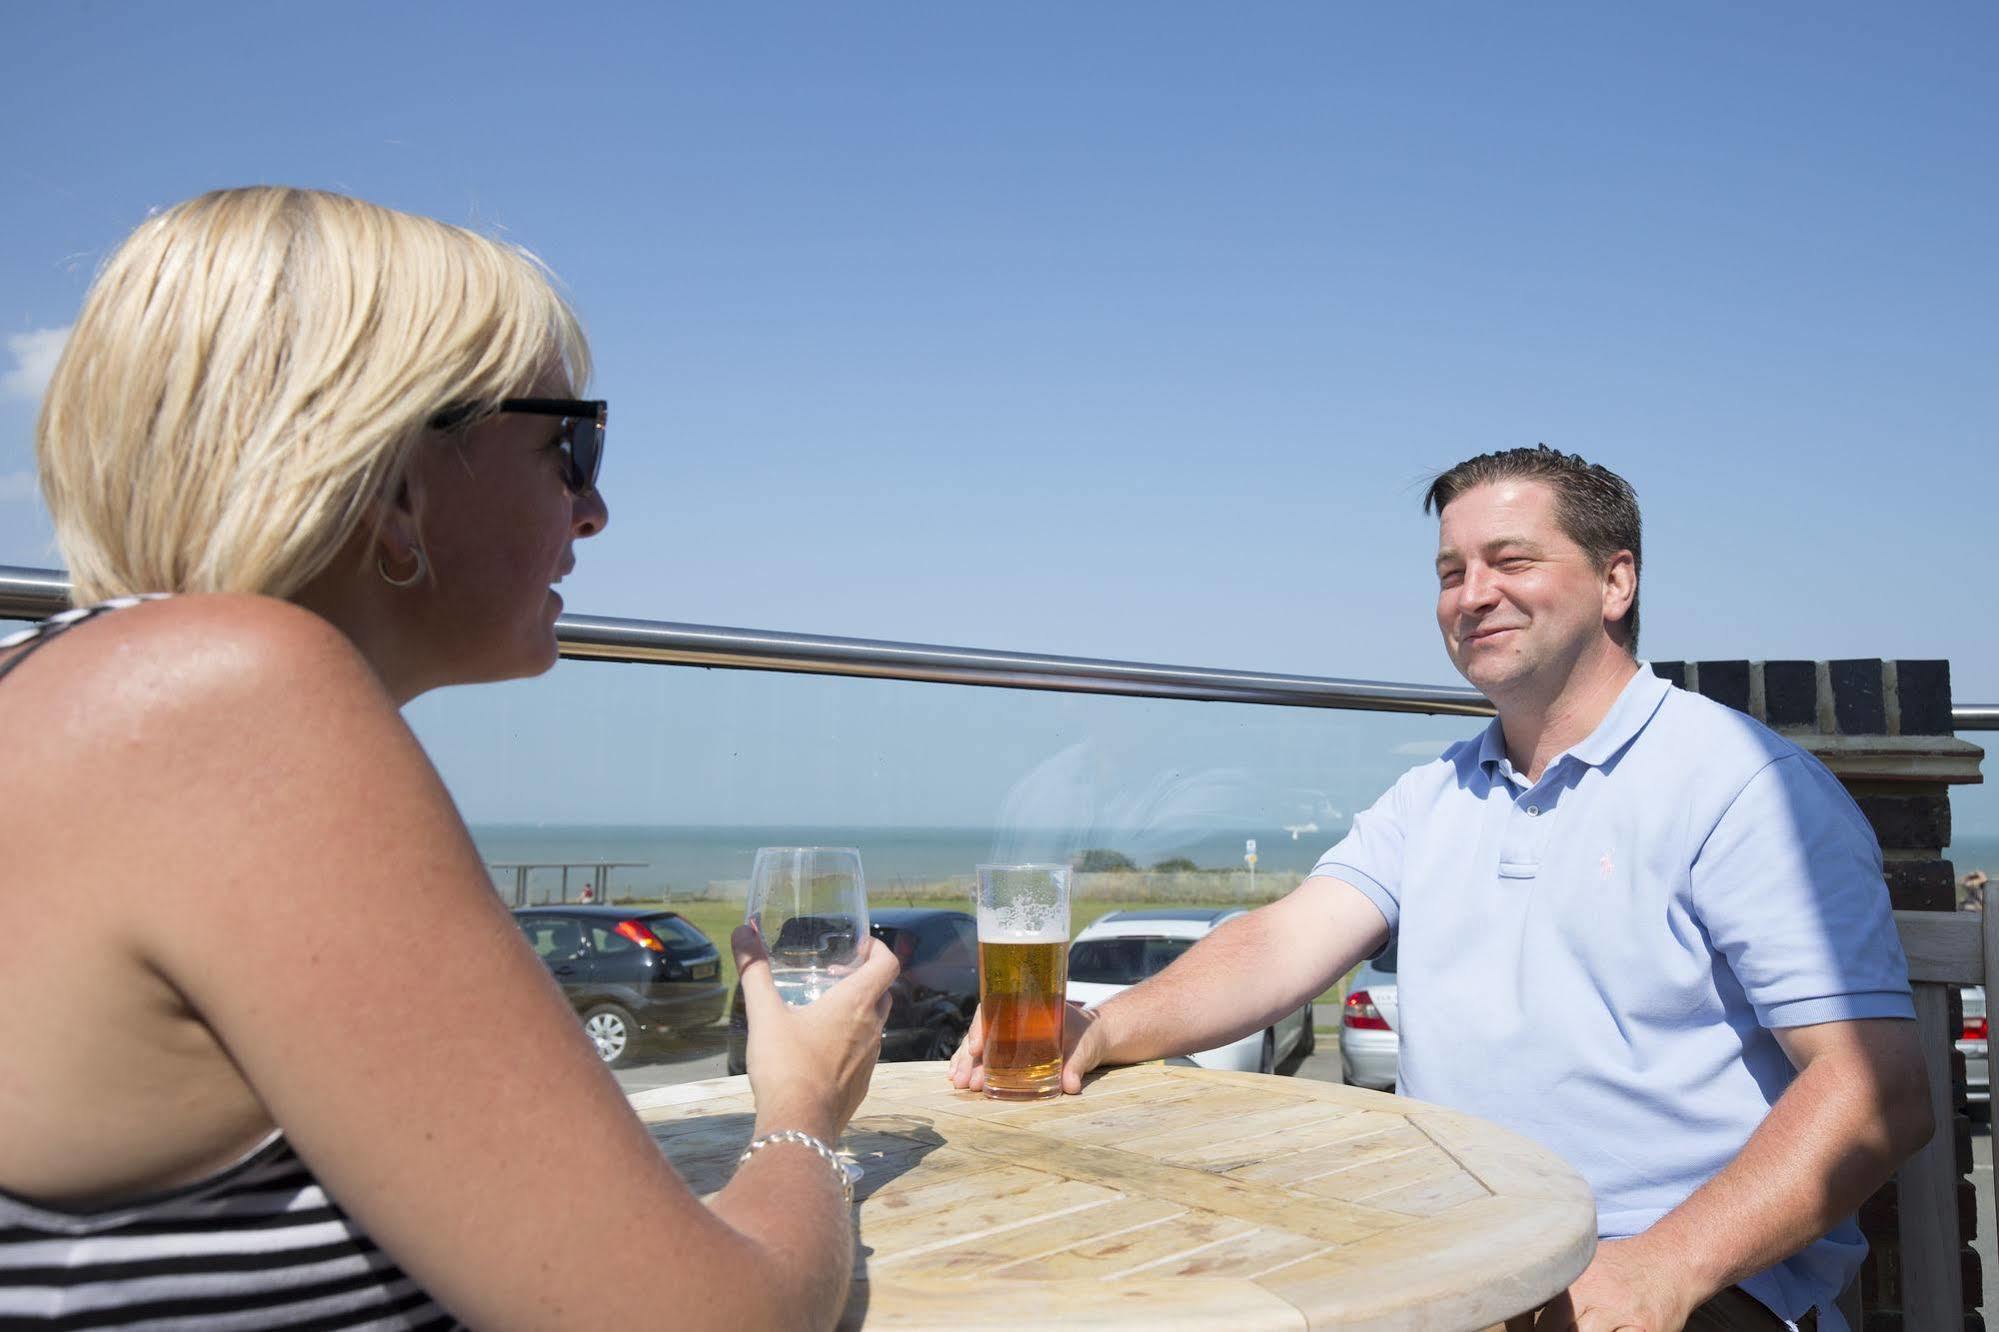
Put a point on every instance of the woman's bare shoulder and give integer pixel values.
(189, 699)
(185, 656)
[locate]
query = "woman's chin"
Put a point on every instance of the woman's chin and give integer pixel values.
(544, 660)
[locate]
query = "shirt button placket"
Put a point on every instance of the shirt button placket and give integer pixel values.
(1539, 807)
(1520, 852)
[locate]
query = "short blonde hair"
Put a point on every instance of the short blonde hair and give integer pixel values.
(254, 366)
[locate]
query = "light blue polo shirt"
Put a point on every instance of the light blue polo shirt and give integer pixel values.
(1596, 960)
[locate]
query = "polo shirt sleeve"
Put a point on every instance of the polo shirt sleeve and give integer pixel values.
(1788, 886)
(1370, 856)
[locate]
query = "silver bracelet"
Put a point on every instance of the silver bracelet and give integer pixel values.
(803, 1139)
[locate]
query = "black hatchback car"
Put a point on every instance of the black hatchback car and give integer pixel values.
(628, 973)
(930, 1003)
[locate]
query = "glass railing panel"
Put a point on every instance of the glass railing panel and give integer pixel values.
(650, 788)
(688, 771)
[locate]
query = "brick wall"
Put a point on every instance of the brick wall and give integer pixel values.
(1883, 727)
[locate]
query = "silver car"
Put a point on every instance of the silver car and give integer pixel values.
(1368, 1020)
(1122, 948)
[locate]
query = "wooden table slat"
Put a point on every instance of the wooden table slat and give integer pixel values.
(1169, 1197)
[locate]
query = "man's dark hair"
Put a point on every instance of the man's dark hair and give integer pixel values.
(1596, 508)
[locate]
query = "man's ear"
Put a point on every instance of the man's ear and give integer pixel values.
(1620, 585)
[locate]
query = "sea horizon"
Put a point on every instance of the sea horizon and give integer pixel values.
(668, 859)
(681, 859)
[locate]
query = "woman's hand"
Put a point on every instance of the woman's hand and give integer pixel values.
(809, 1066)
(1082, 1050)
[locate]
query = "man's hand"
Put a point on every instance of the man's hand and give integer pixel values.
(1082, 1050)
(1628, 1287)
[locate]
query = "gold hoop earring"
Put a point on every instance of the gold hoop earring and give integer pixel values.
(382, 568)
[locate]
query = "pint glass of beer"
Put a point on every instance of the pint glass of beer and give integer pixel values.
(1023, 976)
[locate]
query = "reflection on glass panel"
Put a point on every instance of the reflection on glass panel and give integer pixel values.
(624, 790)
(658, 783)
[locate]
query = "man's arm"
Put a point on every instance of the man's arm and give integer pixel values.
(1248, 973)
(1858, 1108)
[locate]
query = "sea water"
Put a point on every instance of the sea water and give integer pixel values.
(687, 860)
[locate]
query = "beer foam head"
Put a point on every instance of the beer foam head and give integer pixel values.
(1024, 903)
(1023, 927)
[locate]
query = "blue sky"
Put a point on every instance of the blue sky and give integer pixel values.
(1123, 330)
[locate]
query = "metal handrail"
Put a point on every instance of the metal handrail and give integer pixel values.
(34, 593)
(590, 636)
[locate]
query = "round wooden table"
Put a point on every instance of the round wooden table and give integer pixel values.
(1175, 1196)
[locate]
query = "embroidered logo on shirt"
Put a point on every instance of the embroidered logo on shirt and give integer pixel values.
(1606, 866)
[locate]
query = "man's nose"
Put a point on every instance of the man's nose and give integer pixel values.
(1479, 591)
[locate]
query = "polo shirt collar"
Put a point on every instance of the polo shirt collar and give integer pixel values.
(1640, 698)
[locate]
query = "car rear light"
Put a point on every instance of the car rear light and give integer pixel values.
(1974, 1029)
(640, 935)
(1361, 1014)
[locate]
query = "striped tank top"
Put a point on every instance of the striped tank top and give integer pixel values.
(257, 1245)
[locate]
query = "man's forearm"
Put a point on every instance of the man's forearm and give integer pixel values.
(1245, 975)
(1208, 997)
(1837, 1133)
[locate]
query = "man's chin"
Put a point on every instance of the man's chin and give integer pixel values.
(1488, 671)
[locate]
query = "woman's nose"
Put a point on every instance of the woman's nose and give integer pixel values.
(592, 513)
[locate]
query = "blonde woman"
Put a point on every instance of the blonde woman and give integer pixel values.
(275, 1055)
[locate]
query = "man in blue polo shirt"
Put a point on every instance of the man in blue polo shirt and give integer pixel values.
(1634, 925)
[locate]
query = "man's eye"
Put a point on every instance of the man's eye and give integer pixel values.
(1450, 577)
(1514, 563)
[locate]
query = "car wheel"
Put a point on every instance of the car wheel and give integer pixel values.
(1267, 1061)
(1308, 1038)
(611, 1030)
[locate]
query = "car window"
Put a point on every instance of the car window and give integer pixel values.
(903, 943)
(957, 943)
(675, 929)
(1125, 961)
(816, 933)
(606, 939)
(551, 936)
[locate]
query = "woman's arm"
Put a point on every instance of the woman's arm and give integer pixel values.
(290, 862)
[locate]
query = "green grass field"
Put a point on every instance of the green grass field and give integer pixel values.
(717, 919)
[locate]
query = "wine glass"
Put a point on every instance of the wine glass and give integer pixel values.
(809, 904)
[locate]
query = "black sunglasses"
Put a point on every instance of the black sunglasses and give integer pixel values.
(582, 431)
